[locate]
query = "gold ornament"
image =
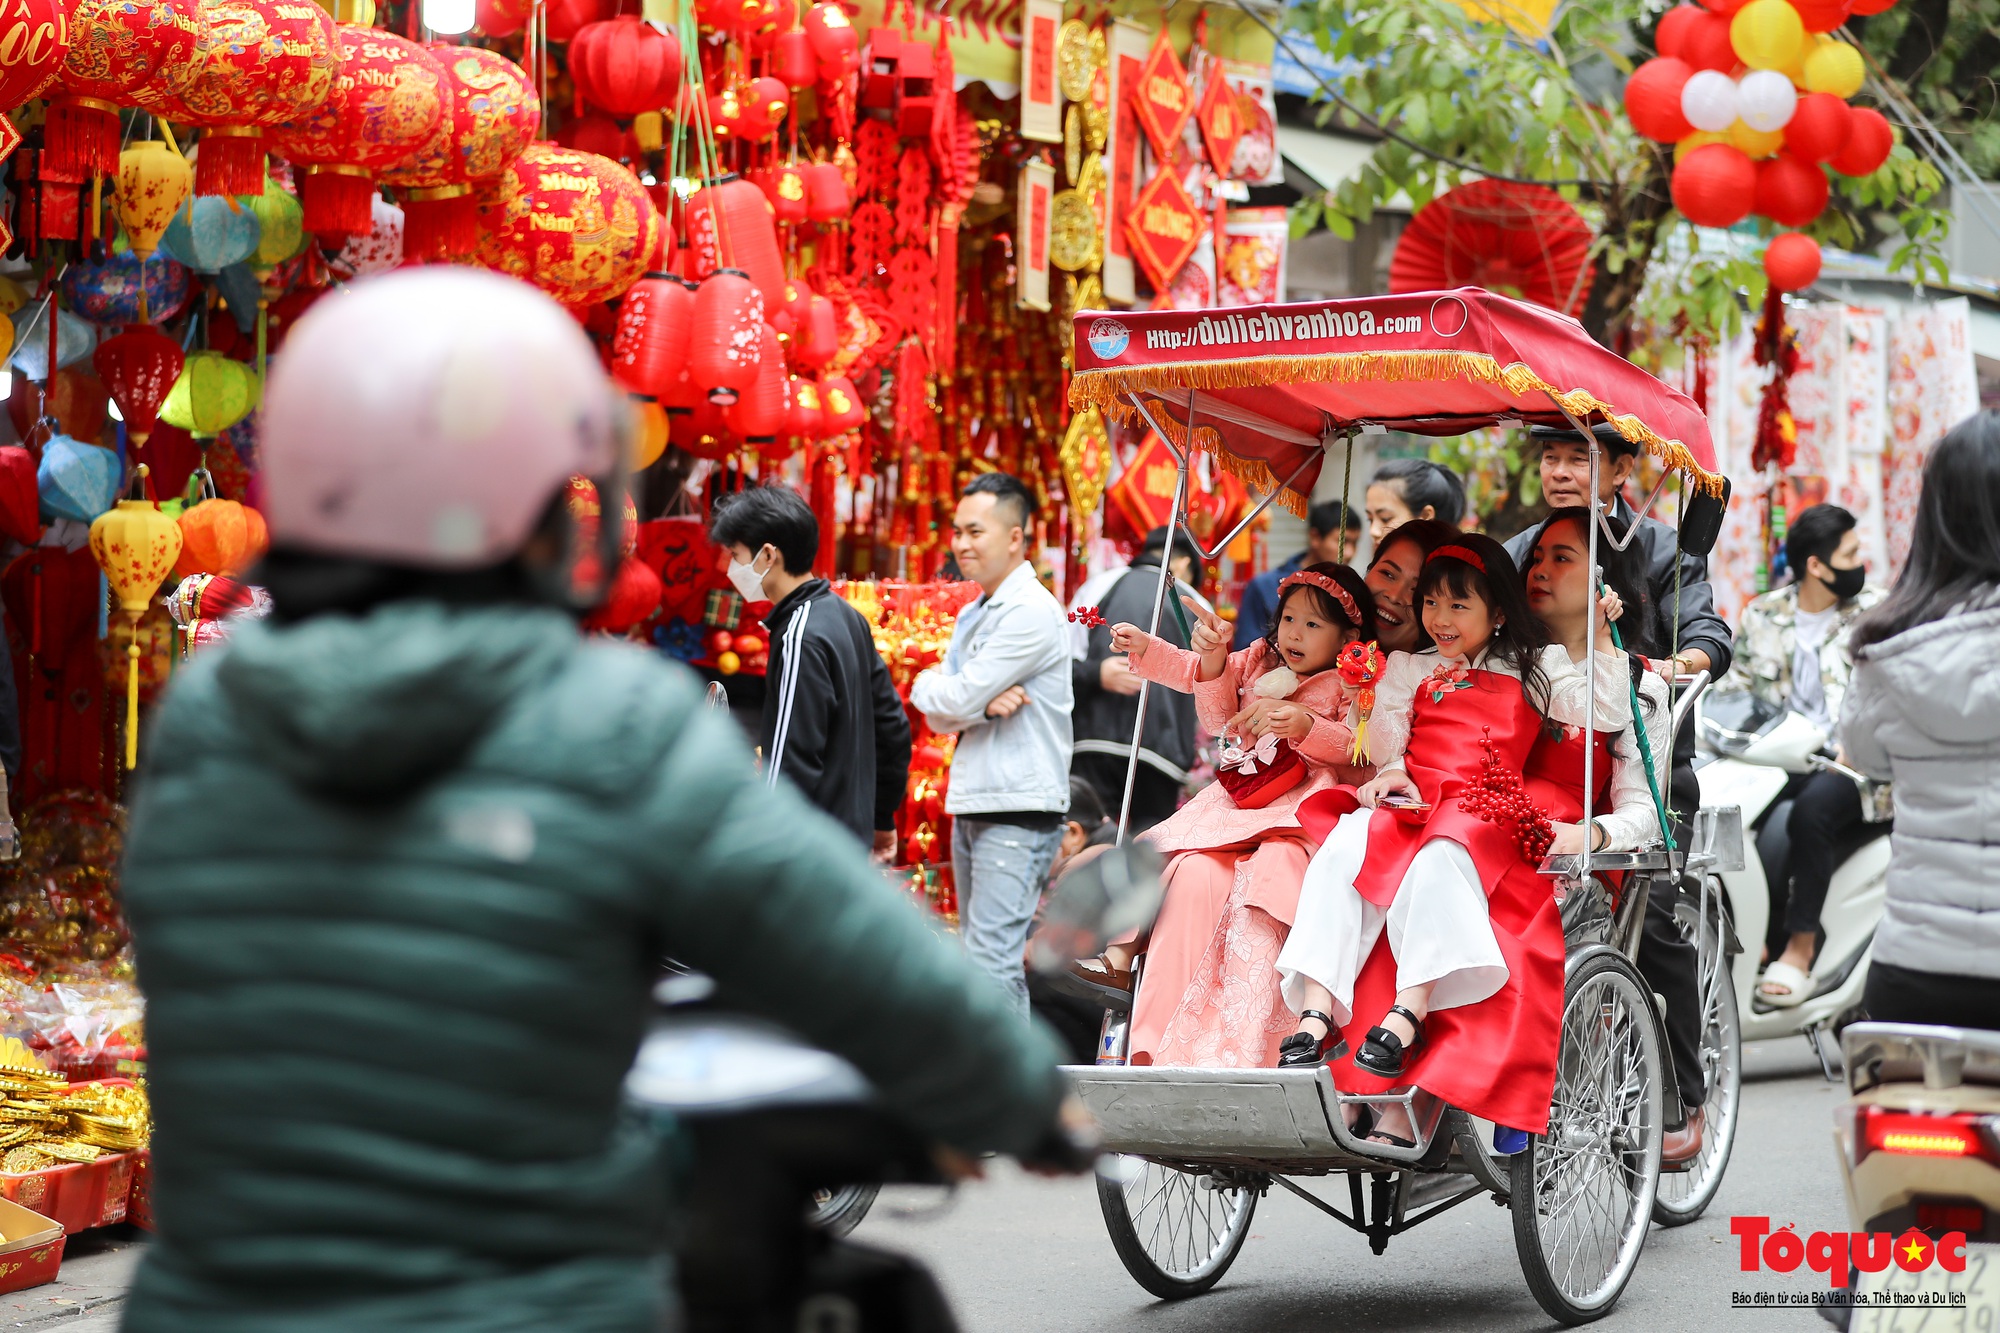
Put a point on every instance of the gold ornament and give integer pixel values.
(1073, 144)
(1072, 232)
(1073, 60)
(1086, 460)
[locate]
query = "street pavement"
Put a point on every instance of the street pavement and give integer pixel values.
(1019, 1254)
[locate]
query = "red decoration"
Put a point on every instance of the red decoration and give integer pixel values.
(1775, 345)
(1162, 100)
(138, 367)
(220, 537)
(700, 430)
(20, 496)
(727, 340)
(746, 237)
(1820, 16)
(826, 193)
(1872, 6)
(632, 598)
(500, 18)
(578, 226)
(759, 414)
(1790, 192)
(841, 402)
(805, 419)
(1819, 127)
(1653, 99)
(1725, 8)
(833, 39)
(567, 17)
(1221, 118)
(1704, 43)
(1138, 494)
(600, 136)
(625, 66)
(1163, 228)
(1499, 797)
(793, 60)
(494, 113)
(816, 340)
(1673, 29)
(1869, 141)
(1524, 241)
(650, 347)
(1792, 262)
(388, 101)
(1089, 617)
(116, 47)
(1715, 185)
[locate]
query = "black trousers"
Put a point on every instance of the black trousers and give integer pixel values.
(1667, 960)
(1154, 794)
(1801, 849)
(1904, 995)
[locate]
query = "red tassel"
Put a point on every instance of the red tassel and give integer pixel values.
(337, 201)
(438, 229)
(80, 140)
(231, 161)
(59, 211)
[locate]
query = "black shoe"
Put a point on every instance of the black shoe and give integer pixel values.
(1383, 1053)
(1302, 1048)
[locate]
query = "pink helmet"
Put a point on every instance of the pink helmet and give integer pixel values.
(428, 416)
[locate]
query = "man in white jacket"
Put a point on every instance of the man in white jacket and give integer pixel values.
(1005, 689)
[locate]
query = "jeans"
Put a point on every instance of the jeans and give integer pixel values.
(1000, 870)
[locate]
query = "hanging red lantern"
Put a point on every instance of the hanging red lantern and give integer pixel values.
(634, 595)
(765, 104)
(1821, 16)
(1715, 185)
(578, 226)
(20, 496)
(726, 343)
(816, 340)
(1792, 261)
(826, 193)
(1789, 192)
(1673, 28)
(625, 66)
(700, 430)
(116, 47)
(567, 17)
(500, 18)
(792, 59)
(1818, 128)
(1867, 7)
(1725, 8)
(1704, 43)
(804, 418)
(759, 414)
(493, 114)
(785, 187)
(138, 367)
(1870, 139)
(650, 348)
(599, 136)
(725, 113)
(730, 224)
(1653, 99)
(833, 39)
(841, 403)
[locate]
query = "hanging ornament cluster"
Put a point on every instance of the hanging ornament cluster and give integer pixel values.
(492, 114)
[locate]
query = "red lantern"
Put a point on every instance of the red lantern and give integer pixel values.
(1714, 185)
(20, 496)
(567, 17)
(793, 60)
(624, 66)
(700, 430)
(494, 113)
(1818, 128)
(1791, 262)
(388, 101)
(833, 39)
(727, 341)
(1789, 192)
(634, 595)
(759, 414)
(600, 136)
(576, 225)
(1704, 43)
(115, 49)
(725, 113)
(500, 18)
(1667, 38)
(730, 224)
(804, 418)
(1869, 141)
(1653, 99)
(766, 102)
(1872, 6)
(650, 348)
(1726, 8)
(785, 187)
(842, 405)
(826, 193)
(220, 537)
(816, 340)
(138, 367)
(1820, 16)
(259, 63)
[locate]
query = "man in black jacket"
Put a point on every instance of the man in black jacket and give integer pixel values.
(833, 723)
(1688, 627)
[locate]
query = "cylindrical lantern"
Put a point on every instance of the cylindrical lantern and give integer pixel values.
(1790, 192)
(1834, 67)
(1714, 186)
(211, 233)
(220, 537)
(1708, 101)
(494, 113)
(1767, 34)
(624, 66)
(833, 38)
(785, 187)
(1792, 262)
(826, 193)
(153, 181)
(139, 367)
(759, 414)
(804, 418)
(727, 341)
(1765, 99)
(116, 47)
(655, 321)
(842, 405)
(745, 238)
(816, 340)
(576, 225)
(1653, 99)
(1818, 128)
(1870, 139)
(792, 59)
(136, 546)
(213, 393)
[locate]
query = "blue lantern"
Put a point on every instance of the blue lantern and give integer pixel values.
(76, 338)
(212, 232)
(78, 481)
(109, 292)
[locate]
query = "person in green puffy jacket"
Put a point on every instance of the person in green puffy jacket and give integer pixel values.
(405, 858)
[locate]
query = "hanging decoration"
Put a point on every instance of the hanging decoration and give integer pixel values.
(116, 48)
(126, 289)
(210, 233)
(139, 367)
(136, 546)
(1524, 241)
(220, 537)
(213, 393)
(1162, 98)
(1164, 228)
(578, 226)
(494, 113)
(153, 182)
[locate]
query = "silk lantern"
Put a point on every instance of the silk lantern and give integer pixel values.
(139, 367)
(34, 44)
(833, 39)
(1756, 144)
(1790, 192)
(793, 60)
(281, 231)
(1834, 67)
(625, 66)
(1708, 101)
(212, 232)
(1818, 128)
(116, 47)
(758, 414)
(1714, 186)
(136, 546)
(726, 342)
(1653, 99)
(1704, 43)
(578, 226)
(826, 193)
(1792, 262)
(75, 339)
(841, 403)
(649, 434)
(77, 481)
(387, 101)
(804, 418)
(378, 249)
(730, 224)
(127, 289)
(213, 393)
(153, 182)
(1767, 34)
(1765, 99)
(633, 596)
(650, 346)
(494, 113)
(20, 497)
(1870, 139)
(500, 18)
(220, 537)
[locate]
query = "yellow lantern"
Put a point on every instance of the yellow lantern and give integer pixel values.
(1756, 143)
(1700, 137)
(1767, 34)
(650, 129)
(649, 434)
(213, 393)
(136, 546)
(1834, 68)
(153, 181)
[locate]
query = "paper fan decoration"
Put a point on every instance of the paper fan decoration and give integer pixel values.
(1524, 241)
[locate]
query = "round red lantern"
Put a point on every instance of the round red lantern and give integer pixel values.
(1672, 31)
(1704, 43)
(388, 101)
(492, 114)
(725, 113)
(766, 102)
(1726, 8)
(730, 224)
(1872, 6)
(1869, 141)
(792, 59)
(600, 135)
(727, 342)
(655, 320)
(567, 17)
(1821, 16)
(258, 63)
(841, 404)
(834, 41)
(1653, 99)
(785, 187)
(500, 18)
(625, 66)
(1715, 185)
(634, 595)
(826, 193)
(1818, 128)
(116, 47)
(1791, 262)
(759, 414)
(1789, 192)
(700, 430)
(576, 225)
(138, 367)
(816, 340)
(804, 418)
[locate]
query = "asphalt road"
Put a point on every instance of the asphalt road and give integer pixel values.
(1019, 1254)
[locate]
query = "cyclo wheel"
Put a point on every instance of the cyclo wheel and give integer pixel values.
(838, 1211)
(1175, 1237)
(1685, 1195)
(1582, 1194)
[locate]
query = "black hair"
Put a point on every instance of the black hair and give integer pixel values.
(1954, 559)
(1331, 516)
(1421, 482)
(1622, 570)
(1155, 546)
(1324, 605)
(1608, 438)
(1006, 489)
(776, 514)
(1815, 532)
(1086, 807)
(1518, 640)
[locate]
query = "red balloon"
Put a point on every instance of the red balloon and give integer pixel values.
(1705, 44)
(1821, 15)
(1653, 99)
(1791, 262)
(1790, 192)
(1869, 139)
(1667, 38)
(1818, 128)
(1715, 185)
(625, 67)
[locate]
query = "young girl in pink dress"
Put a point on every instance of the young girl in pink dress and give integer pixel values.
(1209, 993)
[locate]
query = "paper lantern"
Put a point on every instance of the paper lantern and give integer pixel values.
(281, 231)
(1767, 34)
(1524, 240)
(1866, 7)
(1790, 192)
(730, 224)
(20, 497)
(1708, 100)
(387, 102)
(77, 481)
(600, 135)
(153, 182)
(1792, 261)
(126, 289)
(259, 63)
(833, 38)
(649, 435)
(500, 18)
(1870, 139)
(493, 113)
(1674, 27)
(136, 546)
(1696, 140)
(380, 248)
(1757, 144)
(210, 233)
(1714, 185)
(75, 339)
(116, 47)
(1725, 8)
(804, 417)
(1765, 99)
(1653, 99)
(139, 367)
(655, 321)
(213, 393)
(1704, 43)
(632, 598)
(1822, 15)
(793, 60)
(842, 404)
(766, 103)
(758, 414)
(578, 226)
(1835, 67)
(726, 343)
(624, 66)
(1818, 128)
(700, 430)
(826, 193)
(785, 187)
(220, 537)
(816, 339)
(566, 18)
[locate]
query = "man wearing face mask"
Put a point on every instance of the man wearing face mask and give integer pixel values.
(832, 721)
(1792, 651)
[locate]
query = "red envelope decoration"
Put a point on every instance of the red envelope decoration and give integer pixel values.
(1164, 227)
(1162, 97)
(1221, 118)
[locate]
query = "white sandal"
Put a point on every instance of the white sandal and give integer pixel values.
(1798, 986)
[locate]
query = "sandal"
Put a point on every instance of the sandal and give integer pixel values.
(1302, 1048)
(1383, 1053)
(1797, 986)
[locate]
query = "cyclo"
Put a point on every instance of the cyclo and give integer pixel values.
(1267, 392)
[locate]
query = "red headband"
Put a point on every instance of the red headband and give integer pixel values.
(1465, 553)
(1325, 584)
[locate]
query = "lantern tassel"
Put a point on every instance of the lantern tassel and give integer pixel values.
(231, 162)
(337, 200)
(439, 229)
(80, 138)
(132, 697)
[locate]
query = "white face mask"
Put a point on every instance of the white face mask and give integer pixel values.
(748, 580)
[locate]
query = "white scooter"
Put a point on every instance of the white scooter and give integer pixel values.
(1749, 749)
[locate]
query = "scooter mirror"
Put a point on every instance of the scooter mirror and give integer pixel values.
(1701, 520)
(1098, 899)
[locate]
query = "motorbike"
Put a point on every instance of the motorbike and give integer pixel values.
(1749, 749)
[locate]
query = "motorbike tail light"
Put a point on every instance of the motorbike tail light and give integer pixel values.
(1937, 1217)
(1911, 1134)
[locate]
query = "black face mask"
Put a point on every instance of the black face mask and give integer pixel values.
(1847, 583)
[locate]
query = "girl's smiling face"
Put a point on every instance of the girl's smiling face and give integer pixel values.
(1393, 580)
(1308, 639)
(1462, 624)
